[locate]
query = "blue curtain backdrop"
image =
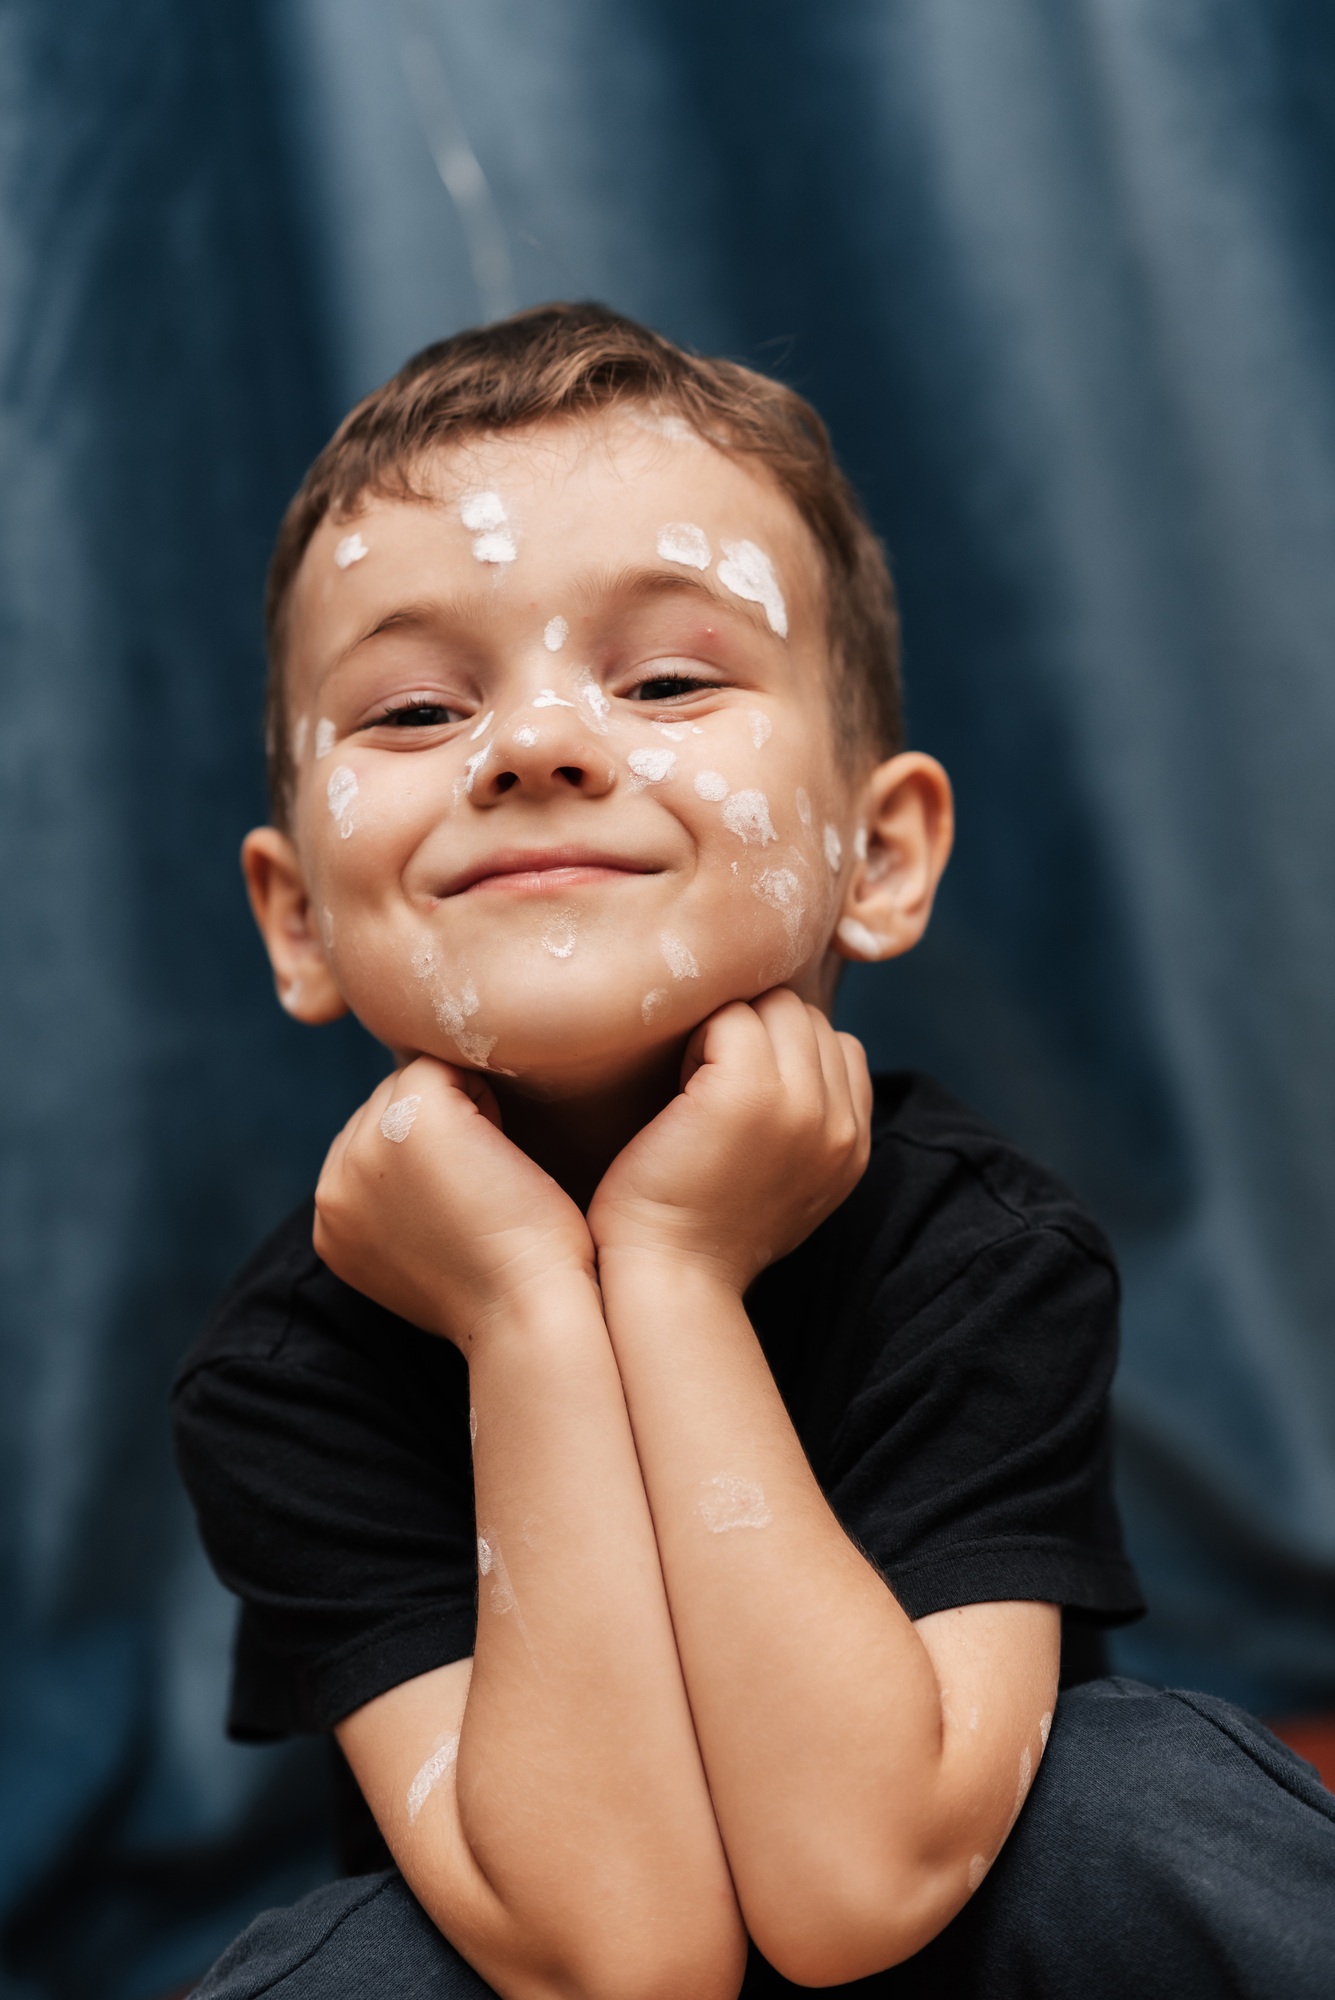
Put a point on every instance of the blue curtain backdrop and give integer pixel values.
(1059, 274)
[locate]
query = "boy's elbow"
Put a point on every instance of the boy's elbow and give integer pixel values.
(836, 1931)
(704, 1968)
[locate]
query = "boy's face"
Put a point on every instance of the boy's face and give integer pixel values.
(566, 771)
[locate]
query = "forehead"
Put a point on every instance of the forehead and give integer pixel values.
(581, 498)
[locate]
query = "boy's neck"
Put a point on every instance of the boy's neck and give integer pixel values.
(575, 1135)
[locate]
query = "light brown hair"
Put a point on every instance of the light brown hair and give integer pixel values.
(573, 361)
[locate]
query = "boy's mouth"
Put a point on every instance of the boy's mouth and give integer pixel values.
(539, 871)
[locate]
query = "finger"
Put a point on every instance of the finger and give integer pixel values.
(732, 1041)
(834, 1067)
(859, 1078)
(790, 1025)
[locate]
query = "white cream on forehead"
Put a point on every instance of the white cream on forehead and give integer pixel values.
(350, 550)
(682, 542)
(484, 515)
(340, 792)
(398, 1118)
(747, 815)
(748, 572)
(554, 634)
(652, 766)
(325, 737)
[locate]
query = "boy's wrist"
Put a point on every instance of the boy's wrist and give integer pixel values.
(657, 1268)
(536, 1307)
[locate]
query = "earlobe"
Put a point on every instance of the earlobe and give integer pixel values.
(290, 927)
(908, 829)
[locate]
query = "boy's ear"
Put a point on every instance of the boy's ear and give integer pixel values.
(288, 925)
(908, 816)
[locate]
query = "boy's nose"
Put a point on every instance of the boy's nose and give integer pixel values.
(547, 748)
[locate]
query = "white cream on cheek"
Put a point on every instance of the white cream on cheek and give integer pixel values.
(803, 807)
(325, 734)
(747, 815)
(680, 960)
(340, 792)
(651, 767)
(711, 785)
(860, 844)
(554, 634)
(453, 1010)
(834, 848)
(761, 728)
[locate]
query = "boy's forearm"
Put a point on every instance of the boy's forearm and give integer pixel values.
(816, 1706)
(580, 1793)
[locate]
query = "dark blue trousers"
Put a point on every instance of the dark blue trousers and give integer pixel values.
(1170, 1847)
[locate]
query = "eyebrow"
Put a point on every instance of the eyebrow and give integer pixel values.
(633, 585)
(644, 583)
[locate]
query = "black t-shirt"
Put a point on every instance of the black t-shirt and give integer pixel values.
(944, 1344)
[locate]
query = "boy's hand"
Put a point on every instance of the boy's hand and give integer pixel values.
(425, 1206)
(770, 1133)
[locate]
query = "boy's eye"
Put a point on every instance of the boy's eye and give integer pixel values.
(669, 687)
(416, 715)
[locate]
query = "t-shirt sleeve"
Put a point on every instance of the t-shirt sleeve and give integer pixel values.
(332, 1484)
(972, 1461)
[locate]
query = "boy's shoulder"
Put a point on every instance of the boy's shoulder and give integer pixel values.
(927, 1144)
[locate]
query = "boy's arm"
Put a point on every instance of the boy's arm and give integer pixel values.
(546, 1801)
(864, 1771)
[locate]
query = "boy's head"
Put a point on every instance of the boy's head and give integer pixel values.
(584, 708)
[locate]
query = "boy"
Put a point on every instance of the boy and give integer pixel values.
(668, 1479)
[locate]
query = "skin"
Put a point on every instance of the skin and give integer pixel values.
(673, 1732)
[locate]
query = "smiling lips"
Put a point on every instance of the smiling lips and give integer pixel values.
(533, 871)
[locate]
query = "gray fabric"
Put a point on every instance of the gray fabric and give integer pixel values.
(1170, 1848)
(367, 1935)
(1061, 278)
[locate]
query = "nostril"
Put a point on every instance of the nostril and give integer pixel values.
(503, 781)
(571, 773)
